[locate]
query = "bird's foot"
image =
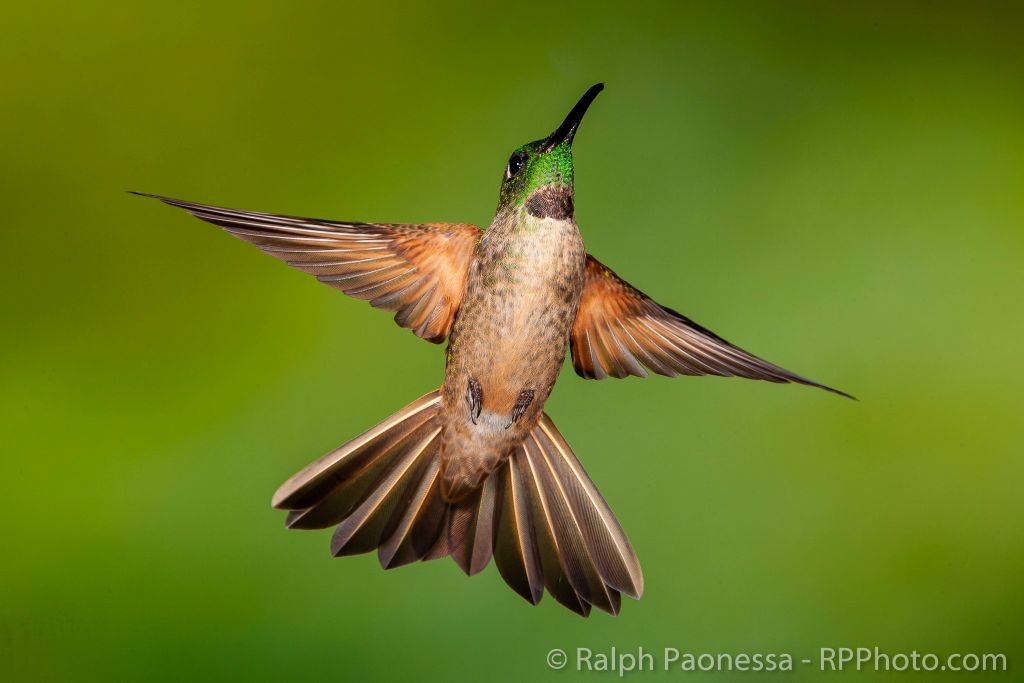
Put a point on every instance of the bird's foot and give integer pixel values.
(475, 398)
(522, 403)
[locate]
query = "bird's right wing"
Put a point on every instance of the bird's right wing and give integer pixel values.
(418, 271)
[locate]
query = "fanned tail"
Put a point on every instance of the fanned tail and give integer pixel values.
(539, 515)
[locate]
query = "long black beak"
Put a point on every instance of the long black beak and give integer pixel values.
(567, 131)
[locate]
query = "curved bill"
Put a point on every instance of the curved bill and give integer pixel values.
(567, 131)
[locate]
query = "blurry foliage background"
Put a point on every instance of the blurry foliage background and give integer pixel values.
(835, 188)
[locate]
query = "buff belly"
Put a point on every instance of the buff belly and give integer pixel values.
(508, 343)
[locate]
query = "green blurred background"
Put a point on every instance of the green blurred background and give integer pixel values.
(836, 188)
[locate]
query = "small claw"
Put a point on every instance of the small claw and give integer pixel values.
(522, 403)
(475, 399)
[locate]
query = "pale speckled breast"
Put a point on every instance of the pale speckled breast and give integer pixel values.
(510, 335)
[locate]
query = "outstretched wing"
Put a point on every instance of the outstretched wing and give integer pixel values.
(620, 331)
(418, 271)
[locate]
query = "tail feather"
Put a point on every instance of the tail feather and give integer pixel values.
(556, 565)
(474, 553)
(515, 546)
(399, 549)
(575, 564)
(606, 542)
(539, 515)
(362, 530)
(457, 518)
(339, 503)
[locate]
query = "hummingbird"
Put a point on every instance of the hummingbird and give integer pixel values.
(476, 469)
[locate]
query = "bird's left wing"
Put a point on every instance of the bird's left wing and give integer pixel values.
(620, 331)
(418, 271)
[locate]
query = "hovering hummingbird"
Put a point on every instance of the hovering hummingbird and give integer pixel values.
(476, 469)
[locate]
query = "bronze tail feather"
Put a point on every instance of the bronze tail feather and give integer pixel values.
(538, 514)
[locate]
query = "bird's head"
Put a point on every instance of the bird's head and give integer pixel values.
(539, 174)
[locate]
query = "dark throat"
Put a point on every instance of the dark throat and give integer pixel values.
(552, 201)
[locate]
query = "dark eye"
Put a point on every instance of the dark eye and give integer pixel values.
(515, 164)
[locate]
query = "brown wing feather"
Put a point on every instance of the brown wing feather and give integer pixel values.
(619, 331)
(417, 271)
